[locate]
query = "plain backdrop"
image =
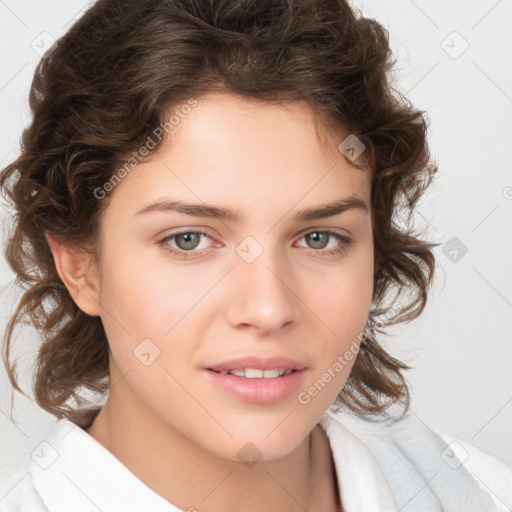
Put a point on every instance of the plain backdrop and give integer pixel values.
(454, 63)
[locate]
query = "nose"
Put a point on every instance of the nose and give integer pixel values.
(262, 296)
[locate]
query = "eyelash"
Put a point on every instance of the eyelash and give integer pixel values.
(345, 243)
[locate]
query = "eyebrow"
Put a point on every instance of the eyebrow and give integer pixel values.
(206, 210)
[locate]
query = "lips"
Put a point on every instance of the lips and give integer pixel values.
(257, 364)
(257, 379)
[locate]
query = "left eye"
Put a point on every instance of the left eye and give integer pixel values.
(320, 239)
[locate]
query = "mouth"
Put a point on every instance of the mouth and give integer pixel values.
(257, 380)
(257, 373)
(256, 367)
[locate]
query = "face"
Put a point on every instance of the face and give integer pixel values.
(185, 294)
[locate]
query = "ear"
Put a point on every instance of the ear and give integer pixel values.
(77, 270)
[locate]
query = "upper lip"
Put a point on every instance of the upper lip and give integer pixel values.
(261, 363)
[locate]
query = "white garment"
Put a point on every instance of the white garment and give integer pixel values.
(399, 466)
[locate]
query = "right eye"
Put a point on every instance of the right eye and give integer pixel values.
(184, 242)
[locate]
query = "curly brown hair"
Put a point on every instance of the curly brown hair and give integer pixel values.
(110, 81)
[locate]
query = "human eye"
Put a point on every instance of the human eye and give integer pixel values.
(188, 244)
(185, 244)
(320, 240)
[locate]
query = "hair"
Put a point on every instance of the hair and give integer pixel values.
(110, 81)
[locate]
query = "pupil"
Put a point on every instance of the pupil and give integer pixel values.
(319, 239)
(191, 240)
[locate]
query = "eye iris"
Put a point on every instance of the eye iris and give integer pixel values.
(318, 238)
(191, 240)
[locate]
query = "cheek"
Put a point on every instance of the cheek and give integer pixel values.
(131, 305)
(342, 301)
(344, 297)
(144, 309)
(149, 296)
(154, 301)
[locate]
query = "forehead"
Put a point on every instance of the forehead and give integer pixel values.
(216, 112)
(229, 148)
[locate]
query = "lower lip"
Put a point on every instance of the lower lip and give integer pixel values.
(260, 391)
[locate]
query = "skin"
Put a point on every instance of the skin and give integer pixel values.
(266, 162)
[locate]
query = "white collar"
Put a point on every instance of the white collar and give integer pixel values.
(86, 477)
(362, 484)
(72, 480)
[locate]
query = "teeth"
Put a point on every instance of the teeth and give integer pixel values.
(255, 373)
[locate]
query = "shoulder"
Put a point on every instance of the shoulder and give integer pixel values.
(425, 468)
(492, 474)
(20, 495)
(23, 492)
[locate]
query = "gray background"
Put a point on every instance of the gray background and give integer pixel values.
(460, 347)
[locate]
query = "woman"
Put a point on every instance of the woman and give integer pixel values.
(204, 219)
